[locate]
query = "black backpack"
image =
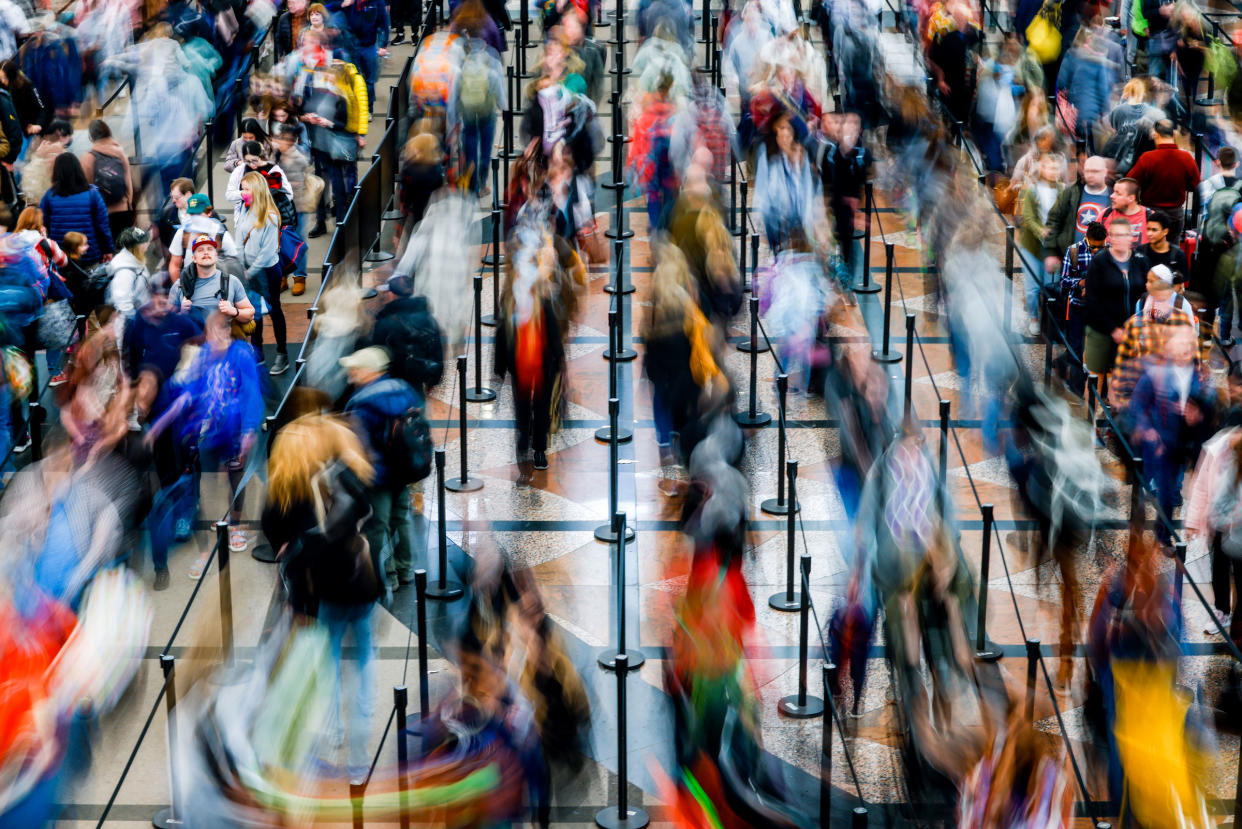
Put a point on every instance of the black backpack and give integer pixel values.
(409, 448)
(1124, 146)
(417, 355)
(11, 126)
(288, 213)
(109, 177)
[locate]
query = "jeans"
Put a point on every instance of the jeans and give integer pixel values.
(533, 416)
(390, 532)
(367, 59)
(1224, 316)
(1036, 279)
(476, 141)
(341, 619)
(332, 172)
(277, 314)
(1164, 475)
(662, 414)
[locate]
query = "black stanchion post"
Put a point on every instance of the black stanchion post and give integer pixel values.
(211, 160)
(604, 434)
(788, 600)
(778, 505)
(170, 817)
(400, 700)
(463, 483)
(751, 343)
(496, 257)
(443, 589)
(1179, 553)
(800, 706)
(1032, 665)
(619, 284)
(224, 575)
(752, 418)
(733, 223)
(867, 286)
(1138, 508)
(887, 355)
(479, 393)
(1093, 383)
(982, 652)
(606, 533)
(420, 609)
(35, 421)
(743, 220)
(634, 657)
(858, 818)
(622, 816)
(825, 747)
(618, 350)
(909, 390)
(1007, 319)
(1048, 318)
(944, 442)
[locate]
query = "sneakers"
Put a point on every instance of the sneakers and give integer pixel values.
(59, 380)
(398, 38)
(238, 541)
(541, 459)
(1032, 328)
(22, 444)
(1224, 619)
(280, 365)
(318, 230)
(161, 579)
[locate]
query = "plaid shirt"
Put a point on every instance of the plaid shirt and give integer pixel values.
(1073, 271)
(1144, 337)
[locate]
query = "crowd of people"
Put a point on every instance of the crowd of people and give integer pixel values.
(156, 319)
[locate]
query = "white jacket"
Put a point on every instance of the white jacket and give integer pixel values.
(1214, 462)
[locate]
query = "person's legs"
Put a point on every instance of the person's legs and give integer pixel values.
(522, 416)
(1222, 584)
(368, 65)
(341, 191)
(470, 152)
(1033, 283)
(487, 133)
(542, 417)
(323, 165)
(363, 696)
(275, 311)
(376, 531)
(400, 530)
(333, 617)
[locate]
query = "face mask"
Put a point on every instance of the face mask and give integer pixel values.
(247, 199)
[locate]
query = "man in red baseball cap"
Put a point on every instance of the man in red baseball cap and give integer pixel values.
(203, 288)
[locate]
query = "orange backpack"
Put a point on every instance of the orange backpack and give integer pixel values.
(431, 78)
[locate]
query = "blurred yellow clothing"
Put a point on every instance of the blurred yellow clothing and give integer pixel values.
(1151, 740)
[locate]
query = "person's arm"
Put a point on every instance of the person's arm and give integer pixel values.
(232, 190)
(88, 165)
(129, 182)
(239, 303)
(1058, 217)
(103, 231)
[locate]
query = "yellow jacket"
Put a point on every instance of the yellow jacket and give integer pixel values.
(354, 91)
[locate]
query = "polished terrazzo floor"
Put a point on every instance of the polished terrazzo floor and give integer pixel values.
(547, 527)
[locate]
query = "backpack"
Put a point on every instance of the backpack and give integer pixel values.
(1123, 147)
(408, 454)
(432, 77)
(1138, 22)
(292, 252)
(1219, 210)
(284, 203)
(11, 128)
(475, 85)
(109, 177)
(417, 355)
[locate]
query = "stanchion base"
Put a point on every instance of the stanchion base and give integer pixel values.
(608, 659)
(450, 592)
(987, 656)
(605, 534)
(624, 355)
(458, 485)
(480, 395)
(781, 601)
(610, 818)
(164, 820)
(392, 216)
(489, 321)
(614, 185)
(625, 289)
(487, 260)
(774, 506)
(890, 357)
(263, 552)
(757, 421)
(869, 288)
(604, 435)
(790, 708)
(378, 256)
(625, 234)
(744, 345)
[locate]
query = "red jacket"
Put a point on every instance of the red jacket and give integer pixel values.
(1165, 175)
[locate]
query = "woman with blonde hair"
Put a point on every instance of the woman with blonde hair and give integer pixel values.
(317, 501)
(258, 228)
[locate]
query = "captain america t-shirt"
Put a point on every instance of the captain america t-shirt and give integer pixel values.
(1090, 208)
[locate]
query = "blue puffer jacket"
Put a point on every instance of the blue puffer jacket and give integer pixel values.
(376, 405)
(84, 212)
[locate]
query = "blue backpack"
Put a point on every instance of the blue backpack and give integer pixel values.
(292, 252)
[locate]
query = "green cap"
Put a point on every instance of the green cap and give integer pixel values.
(196, 204)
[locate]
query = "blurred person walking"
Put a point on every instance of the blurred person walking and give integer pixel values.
(74, 204)
(106, 166)
(258, 226)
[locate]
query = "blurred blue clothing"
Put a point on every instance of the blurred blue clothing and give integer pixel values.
(84, 213)
(226, 399)
(376, 405)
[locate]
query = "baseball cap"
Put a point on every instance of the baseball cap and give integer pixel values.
(397, 284)
(1163, 274)
(203, 239)
(371, 358)
(196, 204)
(131, 236)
